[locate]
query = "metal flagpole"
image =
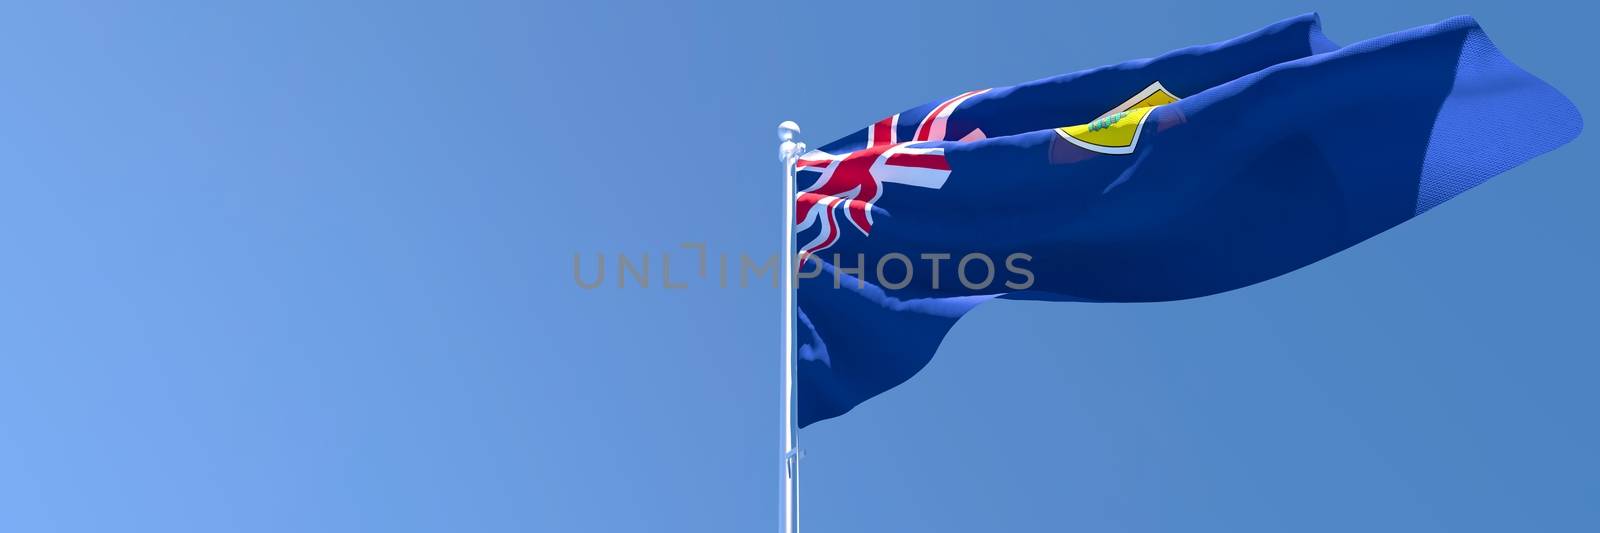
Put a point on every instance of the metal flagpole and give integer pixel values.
(789, 151)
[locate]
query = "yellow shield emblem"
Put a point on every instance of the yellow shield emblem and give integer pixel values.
(1117, 131)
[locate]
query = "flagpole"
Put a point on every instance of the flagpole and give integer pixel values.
(789, 151)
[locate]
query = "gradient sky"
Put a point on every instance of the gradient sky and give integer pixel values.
(306, 266)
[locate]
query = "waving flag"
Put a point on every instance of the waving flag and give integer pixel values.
(1200, 171)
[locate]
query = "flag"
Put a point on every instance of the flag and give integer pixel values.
(1196, 172)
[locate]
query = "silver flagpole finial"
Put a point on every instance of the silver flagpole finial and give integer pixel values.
(791, 149)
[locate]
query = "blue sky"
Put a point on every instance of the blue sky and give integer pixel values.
(307, 267)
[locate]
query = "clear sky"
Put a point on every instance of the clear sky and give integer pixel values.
(307, 266)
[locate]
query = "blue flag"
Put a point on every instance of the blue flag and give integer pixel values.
(1200, 171)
